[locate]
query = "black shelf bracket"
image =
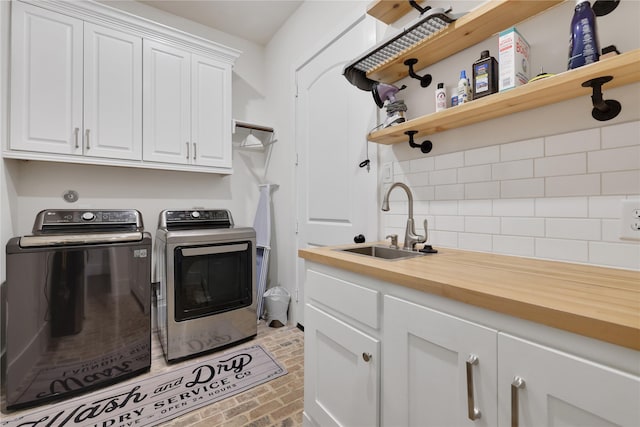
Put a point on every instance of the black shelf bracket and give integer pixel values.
(424, 80)
(426, 145)
(603, 110)
(416, 6)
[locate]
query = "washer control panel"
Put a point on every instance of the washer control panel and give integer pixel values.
(72, 219)
(197, 218)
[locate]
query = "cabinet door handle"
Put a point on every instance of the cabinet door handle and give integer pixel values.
(473, 412)
(187, 149)
(76, 131)
(367, 357)
(86, 137)
(517, 383)
(194, 151)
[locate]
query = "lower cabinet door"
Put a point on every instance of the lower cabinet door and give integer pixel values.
(341, 384)
(439, 370)
(553, 388)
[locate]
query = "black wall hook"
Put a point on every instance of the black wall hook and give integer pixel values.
(416, 6)
(425, 147)
(424, 80)
(603, 110)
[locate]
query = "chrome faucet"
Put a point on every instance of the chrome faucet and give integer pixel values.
(410, 236)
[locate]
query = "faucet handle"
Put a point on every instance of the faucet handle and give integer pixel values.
(394, 240)
(426, 231)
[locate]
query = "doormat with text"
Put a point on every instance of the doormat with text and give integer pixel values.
(159, 398)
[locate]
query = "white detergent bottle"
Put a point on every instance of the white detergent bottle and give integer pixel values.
(464, 89)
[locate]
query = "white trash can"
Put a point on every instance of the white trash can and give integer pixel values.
(276, 306)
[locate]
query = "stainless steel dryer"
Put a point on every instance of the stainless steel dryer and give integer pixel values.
(205, 297)
(79, 302)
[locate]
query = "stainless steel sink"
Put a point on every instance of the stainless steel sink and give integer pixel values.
(382, 252)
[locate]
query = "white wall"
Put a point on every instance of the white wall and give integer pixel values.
(545, 183)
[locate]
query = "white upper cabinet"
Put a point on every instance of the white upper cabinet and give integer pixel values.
(78, 88)
(55, 108)
(187, 107)
(46, 81)
(112, 93)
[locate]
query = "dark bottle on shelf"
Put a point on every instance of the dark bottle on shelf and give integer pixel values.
(485, 75)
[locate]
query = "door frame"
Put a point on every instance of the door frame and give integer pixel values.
(346, 25)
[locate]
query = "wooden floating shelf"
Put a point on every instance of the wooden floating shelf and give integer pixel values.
(474, 27)
(389, 11)
(624, 68)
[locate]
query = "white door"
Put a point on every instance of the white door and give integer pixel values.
(46, 81)
(429, 378)
(112, 94)
(210, 112)
(336, 198)
(341, 367)
(166, 104)
(562, 390)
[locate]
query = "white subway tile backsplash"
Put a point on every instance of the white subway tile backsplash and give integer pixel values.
(621, 135)
(560, 249)
(621, 182)
(482, 190)
(482, 224)
(576, 229)
(447, 161)
(441, 177)
(556, 197)
(519, 188)
(449, 223)
(562, 207)
(617, 159)
(474, 174)
(482, 156)
(475, 242)
(572, 185)
(611, 230)
(512, 245)
(615, 255)
(516, 226)
(422, 164)
(529, 149)
(513, 170)
(570, 164)
(514, 207)
(439, 207)
(475, 207)
(574, 142)
(450, 192)
(448, 239)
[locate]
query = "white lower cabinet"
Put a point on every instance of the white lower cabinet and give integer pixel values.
(438, 370)
(341, 360)
(341, 372)
(559, 389)
(380, 354)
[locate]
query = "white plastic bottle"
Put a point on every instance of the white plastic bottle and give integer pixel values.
(441, 97)
(464, 89)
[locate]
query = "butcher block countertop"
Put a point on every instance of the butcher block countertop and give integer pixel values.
(597, 302)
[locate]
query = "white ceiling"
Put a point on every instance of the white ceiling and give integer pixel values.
(254, 20)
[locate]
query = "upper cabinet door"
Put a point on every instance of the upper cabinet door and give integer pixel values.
(166, 103)
(46, 81)
(112, 94)
(210, 112)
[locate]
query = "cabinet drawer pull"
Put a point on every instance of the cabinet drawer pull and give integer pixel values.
(473, 412)
(86, 137)
(367, 357)
(76, 131)
(516, 384)
(194, 151)
(187, 149)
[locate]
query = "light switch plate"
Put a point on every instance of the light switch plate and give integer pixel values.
(630, 220)
(387, 172)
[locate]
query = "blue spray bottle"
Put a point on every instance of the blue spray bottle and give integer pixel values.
(583, 45)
